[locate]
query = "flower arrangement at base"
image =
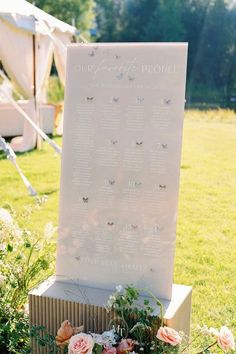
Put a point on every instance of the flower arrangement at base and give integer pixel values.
(136, 329)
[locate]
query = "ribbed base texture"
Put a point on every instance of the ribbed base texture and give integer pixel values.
(50, 313)
(54, 302)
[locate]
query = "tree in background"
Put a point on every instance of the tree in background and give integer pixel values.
(209, 26)
(80, 13)
(109, 18)
(136, 16)
(165, 23)
(210, 30)
(138, 20)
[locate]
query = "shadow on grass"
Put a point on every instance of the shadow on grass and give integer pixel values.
(50, 192)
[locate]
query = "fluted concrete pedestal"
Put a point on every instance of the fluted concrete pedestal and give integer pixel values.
(55, 301)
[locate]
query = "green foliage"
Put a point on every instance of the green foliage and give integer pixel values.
(14, 330)
(108, 19)
(134, 316)
(79, 12)
(212, 47)
(25, 259)
(97, 349)
(39, 335)
(165, 23)
(55, 90)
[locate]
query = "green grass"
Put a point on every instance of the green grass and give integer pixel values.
(206, 233)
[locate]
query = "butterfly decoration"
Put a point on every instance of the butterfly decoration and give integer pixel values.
(139, 99)
(131, 78)
(167, 100)
(89, 99)
(134, 226)
(110, 223)
(114, 142)
(139, 143)
(157, 229)
(119, 76)
(115, 99)
(162, 186)
(91, 54)
(137, 184)
(85, 199)
(164, 146)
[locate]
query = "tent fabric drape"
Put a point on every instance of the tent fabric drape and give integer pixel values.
(24, 61)
(28, 140)
(44, 57)
(60, 41)
(17, 57)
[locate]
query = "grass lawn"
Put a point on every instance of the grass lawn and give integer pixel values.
(206, 233)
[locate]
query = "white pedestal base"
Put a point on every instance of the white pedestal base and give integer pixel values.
(55, 301)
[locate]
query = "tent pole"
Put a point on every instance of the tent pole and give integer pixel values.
(39, 140)
(11, 156)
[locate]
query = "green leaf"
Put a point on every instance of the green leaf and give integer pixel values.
(27, 244)
(97, 349)
(9, 248)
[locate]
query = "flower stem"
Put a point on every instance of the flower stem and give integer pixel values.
(157, 301)
(209, 346)
(188, 345)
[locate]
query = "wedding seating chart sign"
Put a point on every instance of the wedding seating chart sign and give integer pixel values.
(124, 106)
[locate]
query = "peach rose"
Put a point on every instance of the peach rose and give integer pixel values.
(225, 339)
(126, 345)
(169, 335)
(65, 332)
(81, 344)
(109, 350)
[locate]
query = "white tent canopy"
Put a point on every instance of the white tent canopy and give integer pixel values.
(22, 14)
(29, 38)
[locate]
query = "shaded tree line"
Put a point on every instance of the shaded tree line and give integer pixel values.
(209, 26)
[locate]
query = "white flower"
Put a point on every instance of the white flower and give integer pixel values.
(214, 332)
(119, 288)
(106, 339)
(2, 279)
(109, 337)
(98, 339)
(111, 301)
(5, 217)
(209, 331)
(49, 230)
(2, 247)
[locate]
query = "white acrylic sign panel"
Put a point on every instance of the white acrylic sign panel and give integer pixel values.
(122, 137)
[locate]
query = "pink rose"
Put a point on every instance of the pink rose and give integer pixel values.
(169, 335)
(109, 350)
(225, 339)
(81, 344)
(126, 345)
